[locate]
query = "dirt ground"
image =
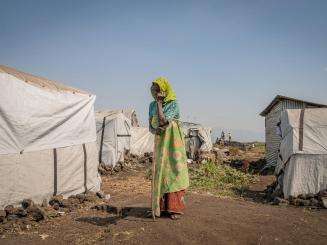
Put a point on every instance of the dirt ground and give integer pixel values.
(208, 220)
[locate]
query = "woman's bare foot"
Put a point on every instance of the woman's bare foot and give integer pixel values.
(175, 216)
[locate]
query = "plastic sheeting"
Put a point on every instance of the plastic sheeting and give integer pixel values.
(34, 119)
(142, 141)
(31, 175)
(313, 135)
(305, 174)
(113, 136)
(303, 151)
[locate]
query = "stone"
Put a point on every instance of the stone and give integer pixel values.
(295, 201)
(73, 200)
(3, 215)
(81, 197)
(12, 217)
(304, 202)
(90, 197)
(9, 209)
(20, 212)
(26, 203)
(36, 213)
(56, 199)
(280, 201)
(314, 202)
(100, 194)
(56, 206)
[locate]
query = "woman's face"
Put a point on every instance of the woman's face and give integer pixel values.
(155, 90)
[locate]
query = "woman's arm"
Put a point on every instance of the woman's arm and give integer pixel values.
(162, 119)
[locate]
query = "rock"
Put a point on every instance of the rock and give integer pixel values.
(303, 202)
(26, 203)
(36, 213)
(73, 200)
(56, 206)
(309, 196)
(12, 217)
(101, 194)
(294, 201)
(324, 202)
(9, 210)
(90, 197)
(56, 199)
(81, 197)
(314, 202)
(20, 212)
(3, 215)
(280, 201)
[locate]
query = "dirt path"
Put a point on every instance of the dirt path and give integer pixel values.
(208, 220)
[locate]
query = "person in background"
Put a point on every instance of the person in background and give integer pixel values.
(229, 137)
(222, 138)
(170, 172)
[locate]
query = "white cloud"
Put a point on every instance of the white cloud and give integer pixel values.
(325, 68)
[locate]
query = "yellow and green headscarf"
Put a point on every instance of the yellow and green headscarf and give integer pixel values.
(165, 87)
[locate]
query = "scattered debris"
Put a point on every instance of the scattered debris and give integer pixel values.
(44, 236)
(16, 219)
(131, 162)
(274, 194)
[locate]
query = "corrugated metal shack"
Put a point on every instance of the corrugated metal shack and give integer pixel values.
(272, 115)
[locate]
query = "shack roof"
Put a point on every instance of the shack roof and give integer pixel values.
(281, 97)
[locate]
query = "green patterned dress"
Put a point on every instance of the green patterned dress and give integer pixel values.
(170, 172)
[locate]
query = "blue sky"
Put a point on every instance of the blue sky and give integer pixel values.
(225, 59)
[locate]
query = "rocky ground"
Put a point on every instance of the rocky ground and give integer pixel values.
(96, 219)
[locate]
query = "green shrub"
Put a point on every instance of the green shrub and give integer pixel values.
(218, 179)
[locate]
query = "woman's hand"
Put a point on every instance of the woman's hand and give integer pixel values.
(162, 128)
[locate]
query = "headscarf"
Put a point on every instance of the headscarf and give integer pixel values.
(165, 87)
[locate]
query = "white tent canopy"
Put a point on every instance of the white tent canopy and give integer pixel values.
(48, 136)
(142, 141)
(303, 151)
(113, 136)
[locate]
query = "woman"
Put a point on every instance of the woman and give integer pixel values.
(170, 173)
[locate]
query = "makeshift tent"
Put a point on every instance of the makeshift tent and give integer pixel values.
(48, 139)
(272, 115)
(142, 141)
(197, 138)
(113, 136)
(302, 161)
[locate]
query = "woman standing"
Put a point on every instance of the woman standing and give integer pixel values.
(170, 173)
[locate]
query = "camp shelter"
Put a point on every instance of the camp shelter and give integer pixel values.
(272, 115)
(302, 161)
(113, 136)
(130, 114)
(197, 138)
(48, 139)
(142, 141)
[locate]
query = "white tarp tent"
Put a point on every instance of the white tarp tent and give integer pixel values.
(48, 139)
(142, 141)
(113, 136)
(303, 151)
